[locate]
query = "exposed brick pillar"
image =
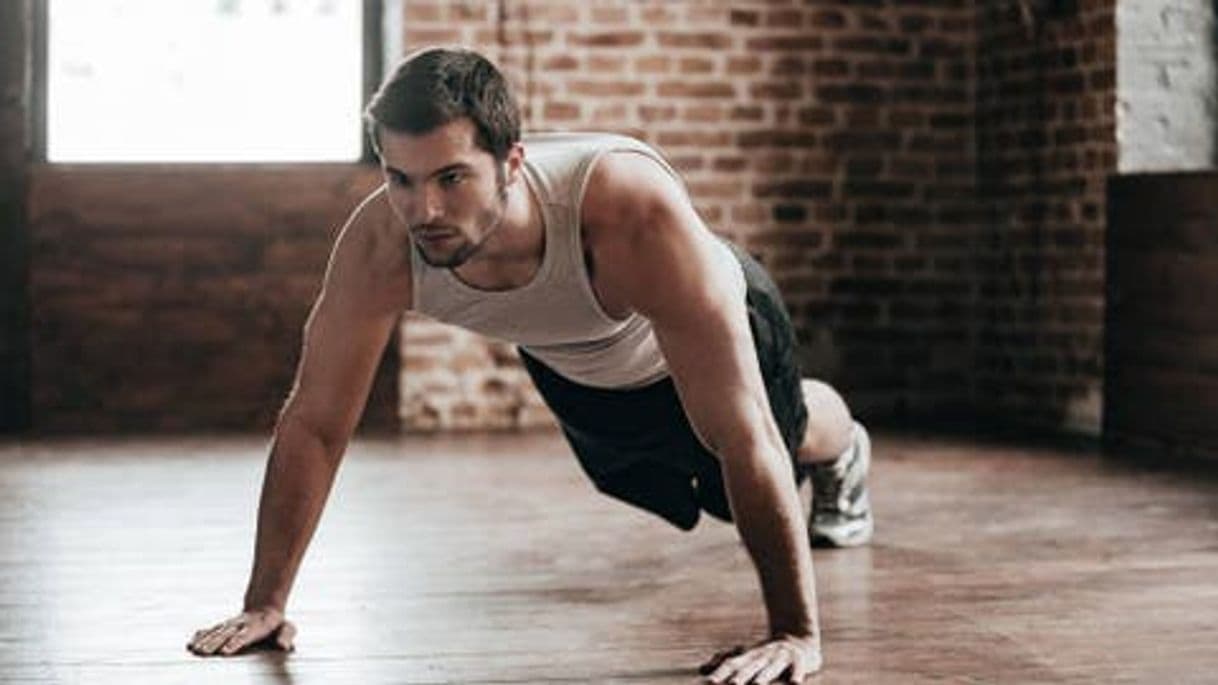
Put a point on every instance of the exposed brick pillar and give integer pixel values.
(1046, 98)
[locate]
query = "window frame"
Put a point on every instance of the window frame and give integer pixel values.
(373, 63)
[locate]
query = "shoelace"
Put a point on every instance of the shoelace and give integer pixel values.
(827, 484)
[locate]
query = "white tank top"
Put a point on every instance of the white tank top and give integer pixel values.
(556, 316)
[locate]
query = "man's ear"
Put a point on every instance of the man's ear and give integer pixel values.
(514, 162)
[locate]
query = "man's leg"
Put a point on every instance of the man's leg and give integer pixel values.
(830, 426)
(830, 447)
(836, 452)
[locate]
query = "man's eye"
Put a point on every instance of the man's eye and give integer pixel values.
(452, 178)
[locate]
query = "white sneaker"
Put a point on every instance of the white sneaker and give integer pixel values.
(841, 507)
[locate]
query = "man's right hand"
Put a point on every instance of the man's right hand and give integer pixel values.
(267, 626)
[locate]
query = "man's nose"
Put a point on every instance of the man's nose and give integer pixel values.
(430, 205)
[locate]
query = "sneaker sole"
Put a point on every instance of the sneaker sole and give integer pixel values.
(855, 536)
(858, 533)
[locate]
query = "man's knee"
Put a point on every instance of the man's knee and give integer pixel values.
(821, 397)
(829, 421)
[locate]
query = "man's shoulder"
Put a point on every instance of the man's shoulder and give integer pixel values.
(630, 203)
(624, 189)
(372, 253)
(571, 155)
(371, 214)
(569, 139)
(604, 204)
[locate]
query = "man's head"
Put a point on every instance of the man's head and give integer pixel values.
(447, 130)
(435, 86)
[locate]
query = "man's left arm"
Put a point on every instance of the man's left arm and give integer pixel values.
(655, 253)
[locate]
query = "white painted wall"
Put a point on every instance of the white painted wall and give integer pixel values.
(1167, 85)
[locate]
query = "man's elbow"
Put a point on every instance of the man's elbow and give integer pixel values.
(296, 424)
(750, 450)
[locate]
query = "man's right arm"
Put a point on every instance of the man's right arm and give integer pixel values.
(362, 297)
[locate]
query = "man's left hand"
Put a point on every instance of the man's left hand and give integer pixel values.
(780, 659)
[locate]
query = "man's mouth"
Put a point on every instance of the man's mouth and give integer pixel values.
(435, 236)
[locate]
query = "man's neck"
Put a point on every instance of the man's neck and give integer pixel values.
(514, 250)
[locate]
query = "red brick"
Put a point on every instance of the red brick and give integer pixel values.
(465, 11)
(776, 90)
(694, 138)
(687, 163)
(560, 63)
(727, 189)
(748, 64)
(624, 38)
(817, 116)
(605, 63)
(868, 44)
(742, 17)
(653, 113)
(731, 164)
(696, 65)
(547, 14)
(784, 43)
(513, 35)
(423, 11)
(611, 113)
(653, 64)
(659, 13)
(706, 40)
(429, 36)
(561, 111)
(776, 163)
(696, 89)
(785, 18)
(609, 14)
(746, 113)
(789, 65)
(806, 189)
(703, 113)
(827, 19)
(606, 88)
(699, 13)
(775, 138)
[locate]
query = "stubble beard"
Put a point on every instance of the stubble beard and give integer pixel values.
(491, 217)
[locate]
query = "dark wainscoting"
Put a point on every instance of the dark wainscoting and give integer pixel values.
(1161, 380)
(173, 297)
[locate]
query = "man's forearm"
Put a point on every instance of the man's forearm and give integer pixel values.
(765, 505)
(299, 474)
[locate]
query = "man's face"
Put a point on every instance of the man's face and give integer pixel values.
(450, 193)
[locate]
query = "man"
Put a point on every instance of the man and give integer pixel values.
(665, 352)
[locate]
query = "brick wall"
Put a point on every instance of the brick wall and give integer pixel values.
(923, 177)
(833, 139)
(1046, 145)
(173, 298)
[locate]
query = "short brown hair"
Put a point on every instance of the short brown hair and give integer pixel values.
(434, 86)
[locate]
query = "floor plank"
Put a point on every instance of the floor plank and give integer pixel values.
(489, 559)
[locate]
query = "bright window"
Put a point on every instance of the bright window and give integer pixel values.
(204, 80)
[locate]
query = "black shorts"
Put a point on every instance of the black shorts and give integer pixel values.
(637, 444)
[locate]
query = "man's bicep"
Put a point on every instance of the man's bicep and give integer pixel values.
(710, 354)
(341, 349)
(663, 260)
(347, 329)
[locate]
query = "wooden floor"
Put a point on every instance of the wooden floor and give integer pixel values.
(490, 560)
